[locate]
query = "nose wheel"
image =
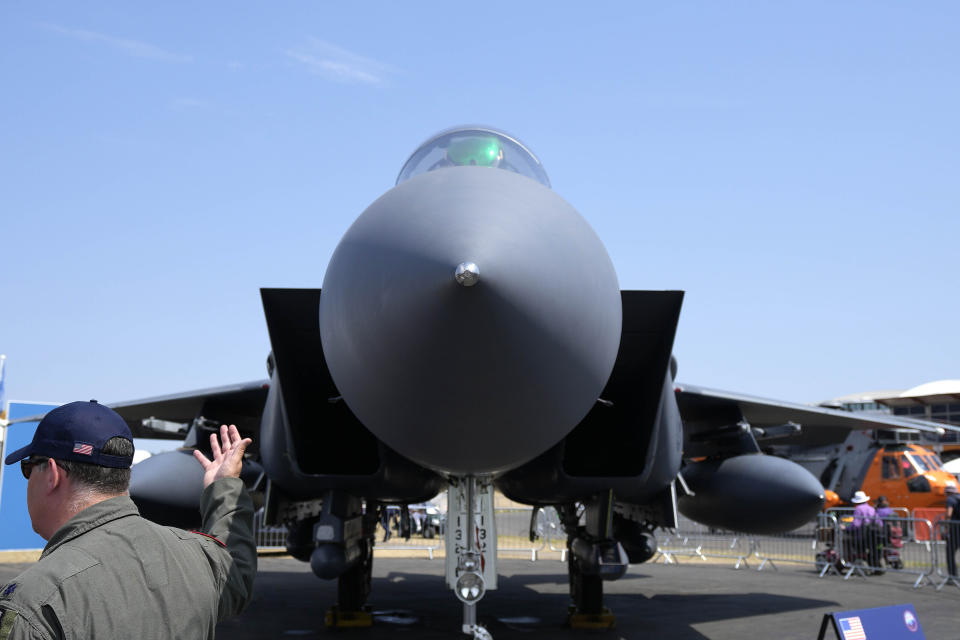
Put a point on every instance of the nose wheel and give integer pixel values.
(477, 632)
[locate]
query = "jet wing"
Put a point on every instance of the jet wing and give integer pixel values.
(708, 414)
(170, 416)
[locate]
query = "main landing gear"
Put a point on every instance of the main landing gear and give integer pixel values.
(593, 557)
(339, 544)
(353, 589)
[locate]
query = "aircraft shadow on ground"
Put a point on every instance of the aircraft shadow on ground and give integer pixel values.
(525, 605)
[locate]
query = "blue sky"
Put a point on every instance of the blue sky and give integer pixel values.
(791, 166)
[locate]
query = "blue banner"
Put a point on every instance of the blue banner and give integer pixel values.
(896, 622)
(16, 532)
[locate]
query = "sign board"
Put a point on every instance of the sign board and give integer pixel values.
(17, 531)
(484, 532)
(896, 622)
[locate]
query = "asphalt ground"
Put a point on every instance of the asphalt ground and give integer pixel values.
(689, 601)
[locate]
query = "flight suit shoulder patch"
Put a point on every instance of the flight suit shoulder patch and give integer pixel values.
(7, 616)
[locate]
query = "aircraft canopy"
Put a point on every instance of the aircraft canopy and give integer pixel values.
(474, 146)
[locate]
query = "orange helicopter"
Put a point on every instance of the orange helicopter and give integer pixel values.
(910, 476)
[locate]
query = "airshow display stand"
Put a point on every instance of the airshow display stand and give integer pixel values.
(896, 622)
(16, 532)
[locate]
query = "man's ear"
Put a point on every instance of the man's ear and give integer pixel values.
(55, 477)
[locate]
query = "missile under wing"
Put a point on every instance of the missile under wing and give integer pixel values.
(470, 333)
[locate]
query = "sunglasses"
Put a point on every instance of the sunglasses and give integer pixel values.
(27, 465)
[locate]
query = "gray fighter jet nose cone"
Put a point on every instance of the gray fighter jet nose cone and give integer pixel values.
(476, 383)
(467, 274)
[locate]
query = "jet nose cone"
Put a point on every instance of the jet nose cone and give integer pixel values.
(484, 370)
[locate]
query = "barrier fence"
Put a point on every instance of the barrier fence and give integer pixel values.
(947, 535)
(268, 538)
(914, 547)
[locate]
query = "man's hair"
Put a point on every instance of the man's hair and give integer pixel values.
(102, 479)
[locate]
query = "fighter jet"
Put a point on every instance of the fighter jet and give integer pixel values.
(470, 334)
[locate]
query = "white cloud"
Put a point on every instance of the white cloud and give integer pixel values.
(129, 47)
(337, 64)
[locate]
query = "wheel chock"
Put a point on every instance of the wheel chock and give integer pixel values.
(604, 620)
(348, 619)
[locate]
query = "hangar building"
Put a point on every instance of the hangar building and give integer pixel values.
(937, 401)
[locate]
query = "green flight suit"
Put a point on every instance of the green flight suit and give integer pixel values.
(109, 573)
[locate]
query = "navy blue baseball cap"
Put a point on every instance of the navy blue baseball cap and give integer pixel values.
(77, 432)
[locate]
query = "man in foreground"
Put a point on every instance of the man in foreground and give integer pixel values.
(106, 572)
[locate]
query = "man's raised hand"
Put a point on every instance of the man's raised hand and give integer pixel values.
(227, 455)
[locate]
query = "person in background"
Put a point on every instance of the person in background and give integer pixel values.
(864, 531)
(863, 513)
(884, 510)
(385, 522)
(952, 528)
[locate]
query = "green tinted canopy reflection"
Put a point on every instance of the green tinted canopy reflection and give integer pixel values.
(481, 152)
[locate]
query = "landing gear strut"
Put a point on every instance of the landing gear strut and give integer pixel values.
(471, 548)
(593, 556)
(353, 589)
(344, 536)
(586, 591)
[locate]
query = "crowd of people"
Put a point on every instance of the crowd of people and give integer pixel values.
(872, 533)
(866, 534)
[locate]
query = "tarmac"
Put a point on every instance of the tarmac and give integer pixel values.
(688, 601)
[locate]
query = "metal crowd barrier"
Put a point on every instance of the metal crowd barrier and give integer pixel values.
(427, 541)
(847, 512)
(946, 545)
(829, 543)
(556, 536)
(874, 549)
(268, 538)
(700, 541)
(513, 535)
(800, 546)
(513, 531)
(922, 533)
(826, 545)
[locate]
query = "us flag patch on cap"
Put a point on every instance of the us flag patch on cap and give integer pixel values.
(83, 448)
